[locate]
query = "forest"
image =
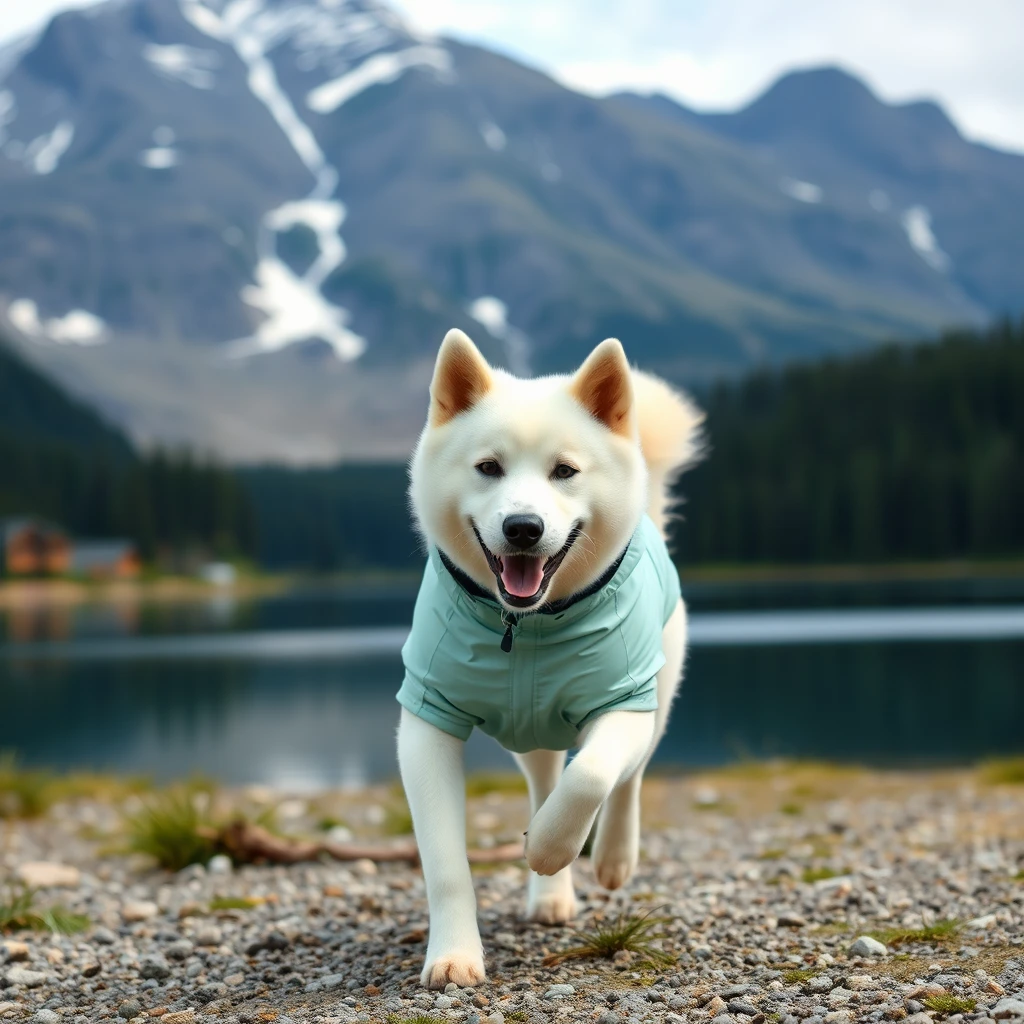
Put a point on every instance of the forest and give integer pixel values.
(906, 452)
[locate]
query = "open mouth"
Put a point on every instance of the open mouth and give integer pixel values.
(523, 579)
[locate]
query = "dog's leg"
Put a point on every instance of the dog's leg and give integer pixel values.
(617, 843)
(551, 899)
(613, 748)
(435, 786)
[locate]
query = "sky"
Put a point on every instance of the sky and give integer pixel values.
(719, 54)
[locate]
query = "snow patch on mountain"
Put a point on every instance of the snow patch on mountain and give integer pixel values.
(159, 158)
(43, 154)
(802, 191)
(917, 222)
(188, 64)
(76, 327)
(376, 70)
(493, 314)
(8, 112)
(493, 136)
(294, 307)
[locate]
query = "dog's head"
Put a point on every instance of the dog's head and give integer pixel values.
(531, 487)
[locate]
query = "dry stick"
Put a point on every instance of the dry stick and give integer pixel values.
(246, 843)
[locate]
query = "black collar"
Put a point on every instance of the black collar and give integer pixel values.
(471, 587)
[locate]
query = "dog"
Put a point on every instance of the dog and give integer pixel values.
(549, 616)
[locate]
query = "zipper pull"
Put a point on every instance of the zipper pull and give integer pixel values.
(506, 640)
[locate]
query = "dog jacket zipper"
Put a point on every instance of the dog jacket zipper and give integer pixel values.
(506, 640)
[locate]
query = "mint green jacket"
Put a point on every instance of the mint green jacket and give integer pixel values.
(565, 667)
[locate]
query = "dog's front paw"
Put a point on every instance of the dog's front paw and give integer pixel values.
(549, 849)
(464, 969)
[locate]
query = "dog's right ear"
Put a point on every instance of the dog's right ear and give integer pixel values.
(461, 378)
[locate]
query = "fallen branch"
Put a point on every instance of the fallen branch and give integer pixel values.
(246, 843)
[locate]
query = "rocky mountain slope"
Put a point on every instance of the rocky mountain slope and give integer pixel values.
(245, 225)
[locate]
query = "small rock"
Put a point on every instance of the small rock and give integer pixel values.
(608, 1018)
(210, 991)
(179, 949)
(23, 976)
(926, 991)
(791, 921)
(819, 983)
(154, 967)
(715, 1007)
(861, 982)
(129, 1008)
(90, 970)
(16, 950)
(497, 1017)
(220, 864)
(43, 874)
(918, 1018)
(234, 980)
(703, 952)
(104, 937)
(981, 923)
(867, 946)
(444, 1003)
(139, 910)
(208, 935)
(45, 1017)
(739, 1006)
(994, 987)
(451, 988)
(623, 956)
(181, 1017)
(559, 991)
(736, 990)
(1009, 1009)
(723, 1018)
(372, 990)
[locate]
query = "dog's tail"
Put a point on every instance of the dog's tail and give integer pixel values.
(671, 438)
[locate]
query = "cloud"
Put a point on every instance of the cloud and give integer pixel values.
(720, 53)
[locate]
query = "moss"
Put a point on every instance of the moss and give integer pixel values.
(794, 810)
(940, 932)
(773, 854)
(483, 783)
(948, 1004)
(329, 821)
(24, 792)
(235, 903)
(818, 874)
(397, 820)
(798, 976)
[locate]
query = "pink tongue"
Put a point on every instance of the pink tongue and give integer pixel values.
(522, 574)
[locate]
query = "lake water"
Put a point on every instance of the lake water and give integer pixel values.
(298, 689)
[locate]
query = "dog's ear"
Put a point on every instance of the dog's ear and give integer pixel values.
(603, 385)
(461, 378)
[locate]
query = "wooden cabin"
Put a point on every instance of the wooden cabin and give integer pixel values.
(33, 547)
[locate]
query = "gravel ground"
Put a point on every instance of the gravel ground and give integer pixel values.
(766, 878)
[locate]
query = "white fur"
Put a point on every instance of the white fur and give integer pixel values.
(531, 426)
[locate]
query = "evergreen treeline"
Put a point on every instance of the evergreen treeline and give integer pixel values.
(906, 452)
(61, 462)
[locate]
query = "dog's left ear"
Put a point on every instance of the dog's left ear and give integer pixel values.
(461, 378)
(603, 385)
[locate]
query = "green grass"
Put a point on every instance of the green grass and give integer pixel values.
(235, 903)
(18, 912)
(24, 792)
(483, 783)
(818, 874)
(948, 1004)
(635, 933)
(329, 821)
(774, 854)
(1004, 771)
(799, 976)
(794, 810)
(397, 820)
(167, 829)
(418, 1019)
(941, 931)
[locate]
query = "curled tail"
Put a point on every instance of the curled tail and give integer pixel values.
(670, 436)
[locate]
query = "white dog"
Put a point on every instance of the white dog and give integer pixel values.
(549, 616)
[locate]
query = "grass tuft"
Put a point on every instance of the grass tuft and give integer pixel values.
(1007, 771)
(397, 820)
(635, 933)
(949, 1004)
(483, 783)
(793, 809)
(24, 792)
(940, 932)
(418, 1019)
(18, 912)
(167, 829)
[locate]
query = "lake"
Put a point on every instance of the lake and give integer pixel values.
(297, 689)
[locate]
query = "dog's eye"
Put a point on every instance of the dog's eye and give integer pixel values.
(489, 468)
(563, 471)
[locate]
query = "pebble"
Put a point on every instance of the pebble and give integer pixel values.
(185, 1017)
(23, 976)
(738, 1006)
(129, 1008)
(179, 949)
(139, 910)
(221, 864)
(867, 946)
(45, 1016)
(819, 983)
(154, 967)
(608, 1017)
(787, 920)
(16, 950)
(559, 991)
(41, 874)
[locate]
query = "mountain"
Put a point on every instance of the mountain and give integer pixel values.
(246, 225)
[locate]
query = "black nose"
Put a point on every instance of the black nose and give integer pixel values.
(523, 531)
